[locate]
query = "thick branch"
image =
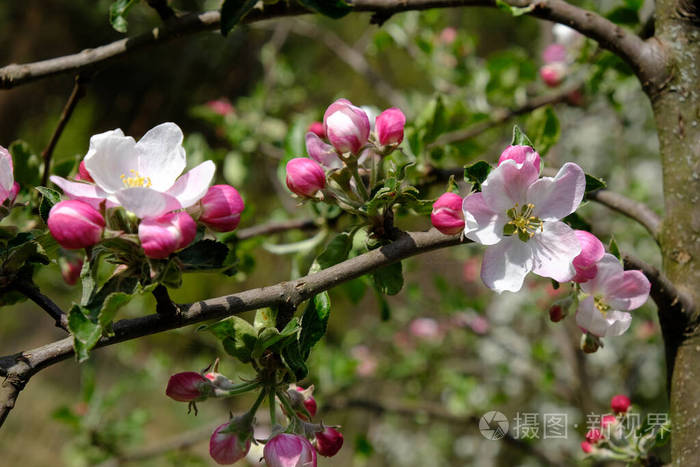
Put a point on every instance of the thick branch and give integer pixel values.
(32, 292)
(644, 57)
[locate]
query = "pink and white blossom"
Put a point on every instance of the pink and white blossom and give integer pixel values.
(318, 129)
(7, 180)
(520, 154)
(285, 450)
(305, 177)
(227, 446)
(592, 250)
(389, 126)
(553, 74)
(347, 126)
(612, 292)
(75, 224)
(322, 152)
(142, 177)
(554, 53)
(517, 215)
(166, 234)
(221, 208)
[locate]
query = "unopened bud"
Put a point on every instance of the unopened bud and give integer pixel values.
(520, 154)
(70, 269)
(554, 53)
(189, 386)
(553, 74)
(285, 450)
(305, 177)
(620, 403)
(322, 152)
(75, 224)
(229, 443)
(389, 126)
(592, 250)
(447, 215)
(329, 441)
(317, 129)
(221, 208)
(347, 126)
(166, 234)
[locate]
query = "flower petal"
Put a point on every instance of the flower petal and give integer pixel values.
(589, 318)
(161, 155)
(192, 186)
(86, 192)
(609, 268)
(619, 322)
(6, 176)
(557, 197)
(506, 264)
(322, 152)
(627, 291)
(146, 202)
(111, 155)
(481, 224)
(508, 184)
(554, 249)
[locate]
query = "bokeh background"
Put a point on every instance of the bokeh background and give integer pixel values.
(407, 376)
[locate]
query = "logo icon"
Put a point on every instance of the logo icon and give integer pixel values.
(493, 425)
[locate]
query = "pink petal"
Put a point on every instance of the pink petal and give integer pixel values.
(507, 184)
(554, 250)
(506, 264)
(146, 202)
(482, 224)
(609, 268)
(627, 291)
(592, 250)
(192, 186)
(557, 197)
(86, 192)
(322, 152)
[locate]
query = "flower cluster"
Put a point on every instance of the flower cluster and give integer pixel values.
(143, 179)
(518, 216)
(557, 56)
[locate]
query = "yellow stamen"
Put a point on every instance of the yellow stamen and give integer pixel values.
(522, 222)
(136, 181)
(600, 304)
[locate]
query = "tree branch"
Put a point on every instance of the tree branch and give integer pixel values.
(645, 58)
(21, 367)
(32, 292)
(75, 95)
(635, 210)
(276, 227)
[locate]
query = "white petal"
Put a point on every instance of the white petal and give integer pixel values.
(554, 249)
(609, 268)
(507, 184)
(86, 192)
(192, 186)
(506, 264)
(619, 322)
(161, 155)
(481, 224)
(111, 155)
(146, 202)
(557, 197)
(589, 318)
(6, 176)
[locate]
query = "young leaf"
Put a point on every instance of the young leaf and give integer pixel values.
(476, 173)
(265, 318)
(332, 8)
(389, 279)
(314, 322)
(203, 256)
(27, 165)
(117, 13)
(48, 199)
(577, 222)
(294, 361)
(85, 331)
(514, 10)
(593, 183)
(237, 336)
(336, 251)
(544, 129)
(614, 249)
(520, 138)
(233, 11)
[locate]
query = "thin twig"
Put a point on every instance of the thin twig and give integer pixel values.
(635, 210)
(32, 292)
(276, 227)
(75, 95)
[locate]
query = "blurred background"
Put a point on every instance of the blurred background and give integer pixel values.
(408, 376)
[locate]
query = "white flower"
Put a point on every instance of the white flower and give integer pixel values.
(611, 290)
(518, 214)
(6, 176)
(142, 177)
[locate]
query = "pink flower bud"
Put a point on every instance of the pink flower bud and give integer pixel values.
(221, 107)
(318, 129)
(520, 154)
(322, 152)
(554, 53)
(302, 397)
(189, 386)
(447, 215)
(425, 328)
(70, 269)
(227, 447)
(448, 35)
(221, 208)
(164, 235)
(347, 127)
(83, 173)
(594, 435)
(285, 450)
(586, 447)
(607, 420)
(553, 74)
(329, 442)
(556, 312)
(620, 403)
(305, 177)
(389, 126)
(592, 250)
(75, 224)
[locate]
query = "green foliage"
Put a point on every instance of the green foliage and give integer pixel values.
(514, 10)
(332, 8)
(593, 183)
(314, 322)
(520, 138)
(237, 336)
(233, 11)
(117, 14)
(27, 165)
(543, 127)
(477, 173)
(389, 279)
(336, 251)
(613, 249)
(48, 199)
(206, 255)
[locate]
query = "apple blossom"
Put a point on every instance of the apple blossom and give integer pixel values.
(586, 447)
(447, 215)
(553, 74)
(517, 216)
(322, 152)
(75, 224)
(318, 129)
(189, 386)
(620, 403)
(594, 435)
(554, 53)
(164, 235)
(221, 208)
(285, 450)
(142, 177)
(305, 177)
(388, 126)
(347, 127)
(612, 292)
(425, 328)
(228, 446)
(329, 441)
(592, 250)
(7, 180)
(83, 174)
(220, 106)
(520, 154)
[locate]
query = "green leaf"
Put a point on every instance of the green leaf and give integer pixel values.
(28, 252)
(117, 13)
(48, 199)
(332, 8)
(389, 279)
(86, 333)
(593, 183)
(110, 306)
(204, 255)
(384, 309)
(614, 249)
(520, 138)
(543, 126)
(27, 165)
(237, 336)
(271, 337)
(476, 173)
(577, 222)
(438, 122)
(336, 251)
(514, 10)
(624, 15)
(314, 322)
(294, 361)
(264, 318)
(233, 11)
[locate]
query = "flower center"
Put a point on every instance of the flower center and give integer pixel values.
(135, 180)
(600, 304)
(522, 222)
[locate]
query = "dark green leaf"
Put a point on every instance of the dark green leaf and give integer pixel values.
(593, 183)
(476, 173)
(237, 336)
(203, 255)
(614, 249)
(233, 11)
(48, 199)
(336, 251)
(577, 222)
(438, 122)
(624, 15)
(332, 8)
(28, 252)
(389, 279)
(384, 310)
(314, 322)
(543, 126)
(117, 13)
(520, 138)
(27, 165)
(292, 358)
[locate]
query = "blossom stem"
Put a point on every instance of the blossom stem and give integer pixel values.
(358, 180)
(273, 408)
(254, 408)
(238, 389)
